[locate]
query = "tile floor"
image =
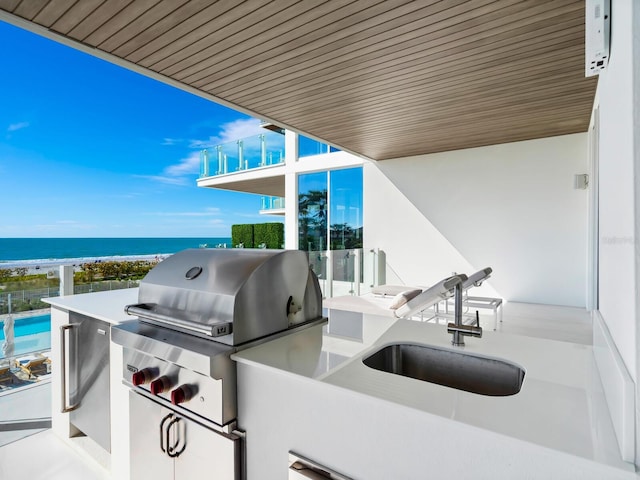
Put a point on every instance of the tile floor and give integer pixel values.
(41, 456)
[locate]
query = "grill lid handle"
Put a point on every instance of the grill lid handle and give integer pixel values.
(145, 310)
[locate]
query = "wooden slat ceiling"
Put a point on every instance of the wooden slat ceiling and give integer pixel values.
(380, 78)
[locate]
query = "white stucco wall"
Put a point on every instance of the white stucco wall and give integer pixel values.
(619, 144)
(511, 207)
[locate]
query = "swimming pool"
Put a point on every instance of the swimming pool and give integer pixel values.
(29, 326)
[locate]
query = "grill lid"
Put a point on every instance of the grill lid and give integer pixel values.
(235, 295)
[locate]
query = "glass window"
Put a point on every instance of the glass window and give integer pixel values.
(345, 215)
(308, 147)
(312, 211)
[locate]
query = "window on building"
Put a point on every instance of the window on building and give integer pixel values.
(332, 221)
(312, 211)
(308, 147)
(345, 209)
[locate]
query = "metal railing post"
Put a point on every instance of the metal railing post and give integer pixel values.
(240, 156)
(205, 163)
(221, 167)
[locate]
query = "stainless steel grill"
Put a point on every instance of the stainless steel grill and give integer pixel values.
(236, 296)
(194, 310)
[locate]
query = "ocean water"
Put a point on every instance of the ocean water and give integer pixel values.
(16, 249)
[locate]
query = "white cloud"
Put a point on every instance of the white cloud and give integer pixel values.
(164, 179)
(230, 132)
(171, 141)
(187, 166)
(178, 173)
(17, 126)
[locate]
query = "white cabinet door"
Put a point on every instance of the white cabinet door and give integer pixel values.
(207, 454)
(148, 461)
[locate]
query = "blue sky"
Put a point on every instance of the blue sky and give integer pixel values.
(89, 149)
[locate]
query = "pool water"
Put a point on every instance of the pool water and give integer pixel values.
(29, 326)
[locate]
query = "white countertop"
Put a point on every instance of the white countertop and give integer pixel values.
(107, 306)
(560, 405)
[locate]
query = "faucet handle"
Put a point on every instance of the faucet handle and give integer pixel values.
(470, 330)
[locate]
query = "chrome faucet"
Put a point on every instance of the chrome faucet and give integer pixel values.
(457, 328)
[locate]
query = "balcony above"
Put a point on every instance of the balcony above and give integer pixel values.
(272, 205)
(254, 164)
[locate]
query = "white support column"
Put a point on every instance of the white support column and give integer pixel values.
(291, 211)
(290, 191)
(66, 280)
(290, 147)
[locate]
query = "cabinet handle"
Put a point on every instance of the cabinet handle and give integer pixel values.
(162, 431)
(172, 450)
(63, 369)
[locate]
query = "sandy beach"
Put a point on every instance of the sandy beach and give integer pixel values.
(40, 266)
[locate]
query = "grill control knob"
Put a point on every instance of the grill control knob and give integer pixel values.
(160, 385)
(142, 376)
(181, 394)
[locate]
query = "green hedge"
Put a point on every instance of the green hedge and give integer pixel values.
(242, 234)
(253, 235)
(271, 234)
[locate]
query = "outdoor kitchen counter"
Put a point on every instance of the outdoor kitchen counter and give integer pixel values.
(557, 424)
(108, 307)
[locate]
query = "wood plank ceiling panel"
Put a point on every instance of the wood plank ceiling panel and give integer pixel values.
(330, 59)
(133, 34)
(511, 76)
(499, 50)
(223, 46)
(120, 20)
(382, 52)
(52, 12)
(383, 79)
(271, 46)
(30, 9)
(96, 19)
(75, 15)
(168, 19)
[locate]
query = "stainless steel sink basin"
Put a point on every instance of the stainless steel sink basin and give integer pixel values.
(463, 371)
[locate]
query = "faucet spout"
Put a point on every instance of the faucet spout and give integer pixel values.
(457, 328)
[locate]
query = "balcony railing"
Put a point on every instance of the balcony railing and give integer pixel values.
(347, 272)
(259, 151)
(271, 203)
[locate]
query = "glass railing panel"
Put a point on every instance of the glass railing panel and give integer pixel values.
(229, 157)
(308, 147)
(252, 151)
(248, 153)
(273, 148)
(271, 203)
(339, 272)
